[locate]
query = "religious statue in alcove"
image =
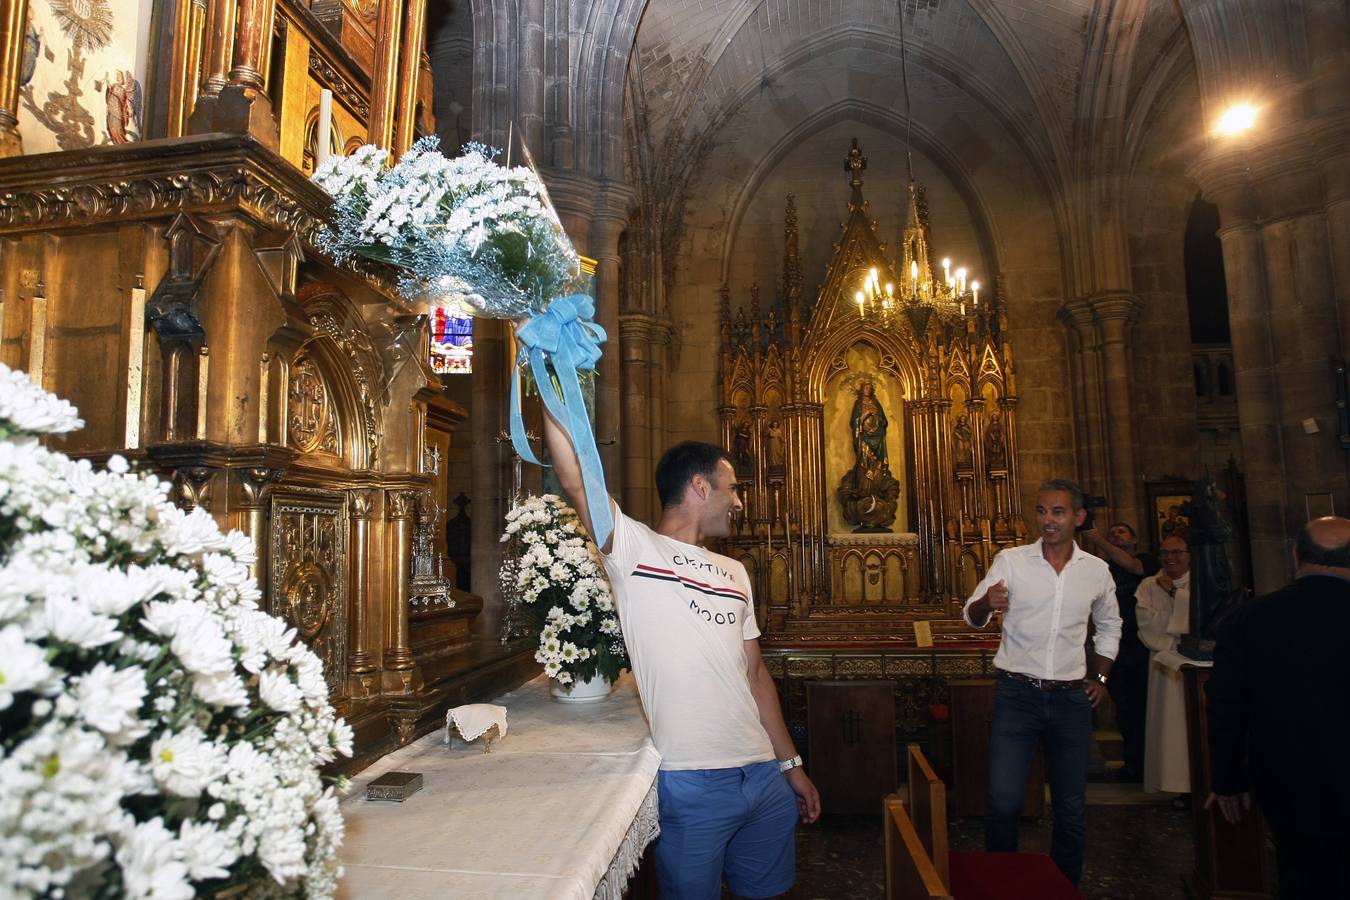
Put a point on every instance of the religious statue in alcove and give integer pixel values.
(995, 448)
(868, 492)
(740, 449)
(963, 450)
(773, 445)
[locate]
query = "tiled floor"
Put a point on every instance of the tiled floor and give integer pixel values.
(1138, 849)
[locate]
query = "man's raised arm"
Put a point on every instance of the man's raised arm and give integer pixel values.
(568, 469)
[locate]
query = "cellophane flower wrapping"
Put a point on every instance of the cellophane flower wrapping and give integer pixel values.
(560, 582)
(464, 231)
(160, 735)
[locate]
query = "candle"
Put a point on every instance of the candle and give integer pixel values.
(913, 271)
(947, 269)
(975, 287)
(323, 140)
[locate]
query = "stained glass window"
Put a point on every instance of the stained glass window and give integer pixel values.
(451, 343)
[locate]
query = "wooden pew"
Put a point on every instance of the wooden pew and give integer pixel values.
(910, 874)
(976, 876)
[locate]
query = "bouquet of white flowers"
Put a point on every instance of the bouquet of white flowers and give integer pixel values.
(464, 230)
(557, 576)
(471, 233)
(159, 734)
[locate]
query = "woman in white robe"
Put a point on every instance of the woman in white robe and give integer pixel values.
(1164, 607)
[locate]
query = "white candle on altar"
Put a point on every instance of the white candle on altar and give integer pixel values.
(322, 142)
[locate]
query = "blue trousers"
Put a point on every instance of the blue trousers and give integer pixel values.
(1023, 716)
(739, 821)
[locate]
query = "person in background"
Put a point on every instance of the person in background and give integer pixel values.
(1129, 673)
(1164, 612)
(1279, 720)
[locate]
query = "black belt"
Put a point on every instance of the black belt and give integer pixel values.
(1043, 684)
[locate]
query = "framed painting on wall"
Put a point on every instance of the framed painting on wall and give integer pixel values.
(1167, 499)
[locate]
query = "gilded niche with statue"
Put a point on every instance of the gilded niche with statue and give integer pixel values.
(874, 432)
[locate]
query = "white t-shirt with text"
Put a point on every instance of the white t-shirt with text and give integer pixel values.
(686, 613)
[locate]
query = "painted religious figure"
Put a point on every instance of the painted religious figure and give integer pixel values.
(963, 449)
(868, 493)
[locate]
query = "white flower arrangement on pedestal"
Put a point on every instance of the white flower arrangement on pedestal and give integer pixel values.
(160, 736)
(557, 577)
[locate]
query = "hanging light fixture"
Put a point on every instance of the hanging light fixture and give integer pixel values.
(921, 295)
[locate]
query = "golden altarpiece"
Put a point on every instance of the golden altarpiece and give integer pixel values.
(843, 570)
(171, 289)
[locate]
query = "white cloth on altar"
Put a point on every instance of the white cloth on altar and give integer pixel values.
(472, 719)
(1163, 619)
(562, 811)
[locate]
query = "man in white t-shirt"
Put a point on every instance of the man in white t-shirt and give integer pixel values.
(731, 786)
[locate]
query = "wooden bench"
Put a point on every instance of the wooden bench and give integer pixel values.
(973, 876)
(910, 874)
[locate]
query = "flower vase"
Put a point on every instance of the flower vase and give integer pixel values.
(592, 690)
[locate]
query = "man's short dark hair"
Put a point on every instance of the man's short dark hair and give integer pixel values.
(681, 463)
(1127, 526)
(1063, 484)
(1309, 551)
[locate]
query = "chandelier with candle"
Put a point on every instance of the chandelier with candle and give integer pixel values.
(920, 294)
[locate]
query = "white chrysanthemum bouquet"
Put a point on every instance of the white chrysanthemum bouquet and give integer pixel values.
(557, 577)
(160, 736)
(464, 229)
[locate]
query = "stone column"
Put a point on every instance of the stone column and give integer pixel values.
(1115, 313)
(635, 447)
(1085, 377)
(13, 25)
(1284, 228)
(490, 464)
(607, 225)
(244, 107)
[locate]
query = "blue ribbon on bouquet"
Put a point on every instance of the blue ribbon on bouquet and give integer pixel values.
(565, 335)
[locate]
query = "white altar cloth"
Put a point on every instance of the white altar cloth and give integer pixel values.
(561, 809)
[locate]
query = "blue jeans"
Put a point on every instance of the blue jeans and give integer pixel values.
(1023, 715)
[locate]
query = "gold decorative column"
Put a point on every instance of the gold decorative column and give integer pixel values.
(360, 663)
(409, 63)
(398, 658)
(384, 92)
(218, 50)
(244, 107)
(13, 24)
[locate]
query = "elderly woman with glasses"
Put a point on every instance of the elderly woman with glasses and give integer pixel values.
(1164, 612)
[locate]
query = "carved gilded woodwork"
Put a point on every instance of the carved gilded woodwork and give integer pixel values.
(792, 373)
(308, 580)
(278, 407)
(313, 422)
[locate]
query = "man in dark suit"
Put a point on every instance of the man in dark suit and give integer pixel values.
(1279, 719)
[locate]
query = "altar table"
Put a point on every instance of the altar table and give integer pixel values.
(562, 808)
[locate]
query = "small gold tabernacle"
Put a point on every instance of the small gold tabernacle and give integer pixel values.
(394, 786)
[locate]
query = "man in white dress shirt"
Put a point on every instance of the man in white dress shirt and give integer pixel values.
(1047, 592)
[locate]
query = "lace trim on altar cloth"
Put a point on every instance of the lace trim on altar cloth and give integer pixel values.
(645, 829)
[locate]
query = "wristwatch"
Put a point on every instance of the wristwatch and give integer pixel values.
(1100, 678)
(786, 764)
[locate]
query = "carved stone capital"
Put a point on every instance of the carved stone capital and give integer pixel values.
(254, 483)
